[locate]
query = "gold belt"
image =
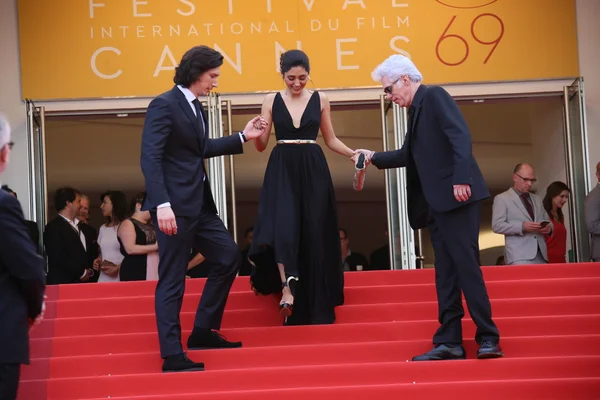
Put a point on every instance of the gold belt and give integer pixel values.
(297, 141)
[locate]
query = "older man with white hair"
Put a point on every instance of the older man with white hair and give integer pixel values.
(445, 188)
(22, 282)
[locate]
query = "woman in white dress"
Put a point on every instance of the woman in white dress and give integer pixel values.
(114, 209)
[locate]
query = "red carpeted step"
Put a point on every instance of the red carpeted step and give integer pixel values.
(349, 313)
(546, 315)
(329, 375)
(352, 279)
(337, 333)
(356, 295)
(521, 389)
(317, 354)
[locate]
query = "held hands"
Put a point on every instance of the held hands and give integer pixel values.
(368, 155)
(255, 127)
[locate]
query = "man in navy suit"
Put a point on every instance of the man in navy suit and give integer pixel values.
(445, 188)
(175, 144)
(22, 282)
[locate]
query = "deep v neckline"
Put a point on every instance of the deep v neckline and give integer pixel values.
(303, 113)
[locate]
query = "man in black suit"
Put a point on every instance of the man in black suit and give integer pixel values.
(175, 144)
(65, 243)
(22, 282)
(445, 188)
(32, 228)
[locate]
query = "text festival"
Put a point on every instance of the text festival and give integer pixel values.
(187, 8)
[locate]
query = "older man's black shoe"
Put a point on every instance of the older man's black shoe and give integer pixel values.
(204, 339)
(443, 352)
(181, 363)
(489, 349)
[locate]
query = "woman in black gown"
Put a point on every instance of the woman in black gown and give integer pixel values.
(137, 240)
(296, 245)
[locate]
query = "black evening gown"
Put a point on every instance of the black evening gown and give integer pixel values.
(297, 220)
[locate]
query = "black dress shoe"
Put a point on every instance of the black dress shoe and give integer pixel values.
(443, 352)
(181, 363)
(489, 349)
(207, 339)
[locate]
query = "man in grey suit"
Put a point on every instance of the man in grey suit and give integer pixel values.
(592, 217)
(520, 216)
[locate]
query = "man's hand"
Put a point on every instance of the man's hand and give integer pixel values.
(368, 155)
(87, 275)
(166, 220)
(255, 127)
(531, 226)
(546, 230)
(97, 263)
(462, 192)
(40, 317)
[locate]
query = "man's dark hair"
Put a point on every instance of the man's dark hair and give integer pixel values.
(194, 63)
(345, 232)
(64, 195)
(9, 190)
(248, 230)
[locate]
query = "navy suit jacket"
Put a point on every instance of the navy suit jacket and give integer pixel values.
(22, 282)
(174, 146)
(437, 154)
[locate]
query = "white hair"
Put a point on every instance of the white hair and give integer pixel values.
(394, 67)
(4, 131)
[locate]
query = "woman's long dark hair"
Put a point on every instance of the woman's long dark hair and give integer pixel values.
(555, 189)
(119, 205)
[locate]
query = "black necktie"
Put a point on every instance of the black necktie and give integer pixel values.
(196, 104)
(525, 197)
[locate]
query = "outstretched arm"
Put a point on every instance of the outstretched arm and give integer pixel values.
(331, 140)
(267, 114)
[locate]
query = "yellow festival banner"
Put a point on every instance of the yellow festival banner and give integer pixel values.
(114, 48)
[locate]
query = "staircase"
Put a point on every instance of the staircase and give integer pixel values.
(99, 341)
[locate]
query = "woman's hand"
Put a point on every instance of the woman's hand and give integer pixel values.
(109, 268)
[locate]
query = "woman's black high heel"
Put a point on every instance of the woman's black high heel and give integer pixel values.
(286, 309)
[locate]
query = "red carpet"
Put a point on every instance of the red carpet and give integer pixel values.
(99, 341)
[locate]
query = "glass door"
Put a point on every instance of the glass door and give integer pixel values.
(219, 172)
(36, 157)
(216, 165)
(577, 166)
(401, 237)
